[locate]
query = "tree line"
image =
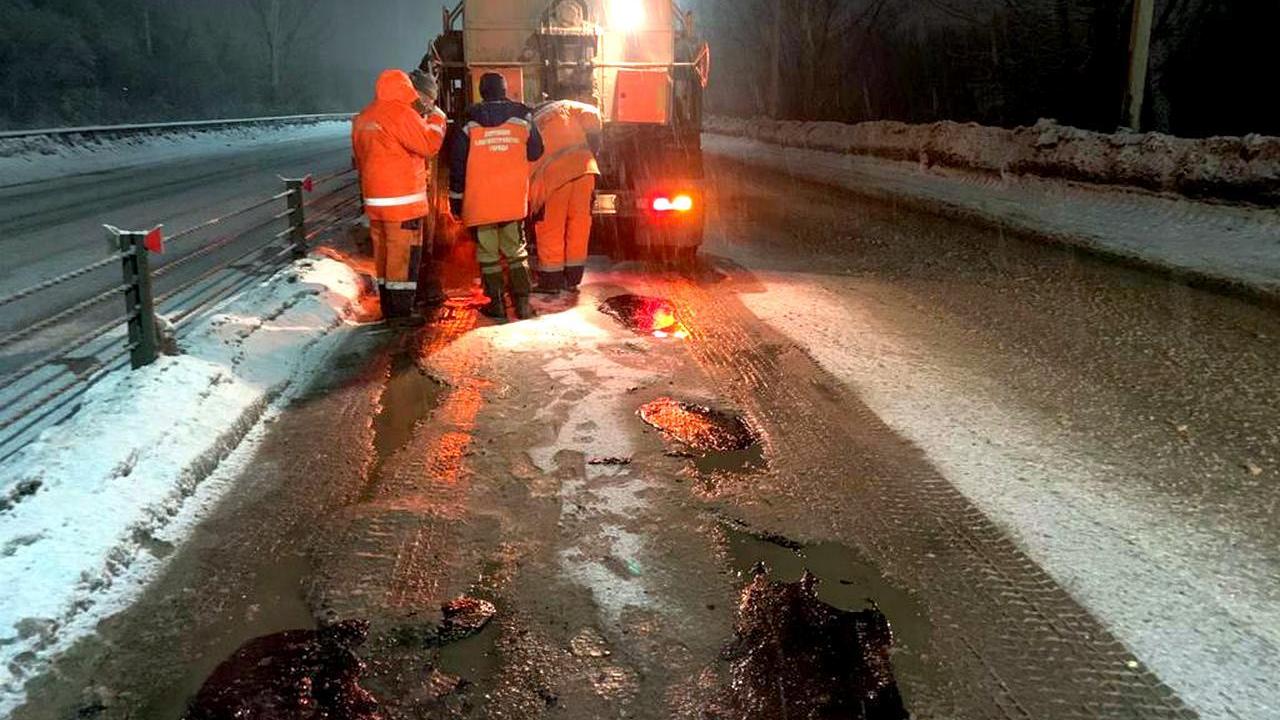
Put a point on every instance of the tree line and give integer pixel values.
(997, 62)
(71, 62)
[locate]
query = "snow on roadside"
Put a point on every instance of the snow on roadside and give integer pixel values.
(1184, 598)
(109, 488)
(29, 160)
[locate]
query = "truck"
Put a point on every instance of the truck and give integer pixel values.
(646, 69)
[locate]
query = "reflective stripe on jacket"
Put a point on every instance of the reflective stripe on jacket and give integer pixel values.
(571, 134)
(392, 143)
(490, 161)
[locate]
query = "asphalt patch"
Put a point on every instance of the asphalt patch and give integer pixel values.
(297, 674)
(699, 427)
(816, 628)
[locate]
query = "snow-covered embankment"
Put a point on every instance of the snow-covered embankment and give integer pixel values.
(37, 158)
(1200, 208)
(90, 510)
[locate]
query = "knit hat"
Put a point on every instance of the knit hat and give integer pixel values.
(493, 86)
(424, 83)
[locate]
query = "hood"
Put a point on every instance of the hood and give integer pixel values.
(395, 86)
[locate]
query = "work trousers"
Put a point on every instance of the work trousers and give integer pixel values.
(502, 241)
(564, 232)
(397, 251)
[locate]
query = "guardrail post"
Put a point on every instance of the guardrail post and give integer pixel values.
(138, 298)
(297, 216)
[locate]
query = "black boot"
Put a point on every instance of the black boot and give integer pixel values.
(573, 277)
(549, 282)
(521, 286)
(496, 308)
(430, 292)
(396, 304)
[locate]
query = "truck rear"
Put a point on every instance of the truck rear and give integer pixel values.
(644, 67)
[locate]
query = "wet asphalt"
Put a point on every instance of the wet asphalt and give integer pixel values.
(653, 564)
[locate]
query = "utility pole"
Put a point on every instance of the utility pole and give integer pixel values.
(1139, 59)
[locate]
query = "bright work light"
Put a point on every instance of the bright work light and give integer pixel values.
(626, 15)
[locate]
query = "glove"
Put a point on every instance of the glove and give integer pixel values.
(455, 207)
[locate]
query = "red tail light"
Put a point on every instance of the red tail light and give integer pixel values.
(682, 203)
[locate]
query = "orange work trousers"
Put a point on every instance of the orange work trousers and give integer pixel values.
(397, 251)
(397, 247)
(565, 229)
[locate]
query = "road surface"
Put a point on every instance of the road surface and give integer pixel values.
(52, 226)
(1054, 477)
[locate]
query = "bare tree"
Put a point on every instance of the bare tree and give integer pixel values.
(282, 23)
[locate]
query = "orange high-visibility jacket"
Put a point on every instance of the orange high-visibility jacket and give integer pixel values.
(568, 130)
(392, 143)
(497, 172)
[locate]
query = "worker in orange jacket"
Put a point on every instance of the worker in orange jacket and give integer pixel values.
(392, 140)
(562, 187)
(489, 189)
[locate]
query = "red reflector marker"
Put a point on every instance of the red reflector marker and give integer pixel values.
(154, 240)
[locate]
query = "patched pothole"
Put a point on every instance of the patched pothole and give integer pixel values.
(821, 622)
(699, 427)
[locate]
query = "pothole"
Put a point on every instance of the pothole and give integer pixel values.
(298, 673)
(645, 315)
(699, 427)
(819, 626)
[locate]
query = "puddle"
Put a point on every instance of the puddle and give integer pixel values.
(293, 674)
(410, 396)
(817, 618)
(275, 603)
(475, 658)
(645, 315)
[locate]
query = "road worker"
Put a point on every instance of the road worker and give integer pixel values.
(489, 190)
(392, 140)
(431, 292)
(561, 190)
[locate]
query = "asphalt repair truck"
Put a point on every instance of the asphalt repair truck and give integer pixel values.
(646, 70)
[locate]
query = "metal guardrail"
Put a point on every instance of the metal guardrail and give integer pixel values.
(46, 388)
(179, 125)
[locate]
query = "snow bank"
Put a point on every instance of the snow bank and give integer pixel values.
(1229, 168)
(104, 493)
(44, 157)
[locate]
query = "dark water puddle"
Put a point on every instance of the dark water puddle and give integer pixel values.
(819, 631)
(297, 674)
(644, 314)
(473, 658)
(410, 396)
(712, 465)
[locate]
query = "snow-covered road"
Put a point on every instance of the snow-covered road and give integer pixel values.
(55, 199)
(1055, 476)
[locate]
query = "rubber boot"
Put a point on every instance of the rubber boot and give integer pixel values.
(431, 293)
(398, 309)
(496, 308)
(573, 277)
(521, 286)
(549, 283)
